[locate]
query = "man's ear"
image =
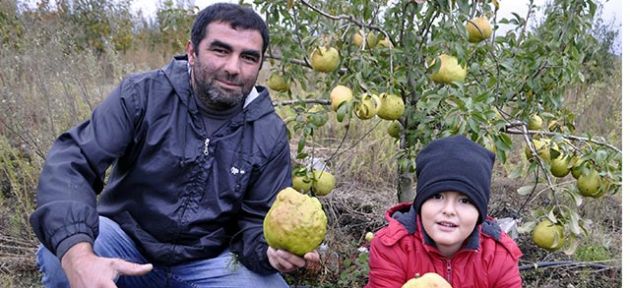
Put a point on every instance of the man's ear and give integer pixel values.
(190, 50)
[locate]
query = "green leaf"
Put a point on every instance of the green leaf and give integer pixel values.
(301, 144)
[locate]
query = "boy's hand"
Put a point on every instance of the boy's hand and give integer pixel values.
(85, 269)
(285, 262)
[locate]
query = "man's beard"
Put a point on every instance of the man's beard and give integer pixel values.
(214, 98)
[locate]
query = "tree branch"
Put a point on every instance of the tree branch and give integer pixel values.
(510, 130)
(296, 101)
(347, 18)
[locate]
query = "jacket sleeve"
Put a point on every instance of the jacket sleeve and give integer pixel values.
(386, 268)
(505, 266)
(272, 177)
(73, 172)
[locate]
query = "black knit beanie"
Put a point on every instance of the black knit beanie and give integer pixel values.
(455, 164)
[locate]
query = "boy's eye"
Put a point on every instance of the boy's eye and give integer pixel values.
(466, 201)
(437, 196)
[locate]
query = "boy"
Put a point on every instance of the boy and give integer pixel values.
(445, 230)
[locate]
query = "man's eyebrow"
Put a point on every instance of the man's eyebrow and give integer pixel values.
(249, 52)
(217, 43)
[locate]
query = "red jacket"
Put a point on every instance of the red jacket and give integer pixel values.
(487, 259)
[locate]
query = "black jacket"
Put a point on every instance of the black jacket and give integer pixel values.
(178, 193)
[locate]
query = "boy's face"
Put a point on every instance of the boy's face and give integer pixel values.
(449, 218)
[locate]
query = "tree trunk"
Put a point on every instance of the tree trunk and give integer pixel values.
(405, 187)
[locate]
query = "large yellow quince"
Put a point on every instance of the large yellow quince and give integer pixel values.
(295, 222)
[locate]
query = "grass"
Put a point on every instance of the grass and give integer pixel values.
(45, 90)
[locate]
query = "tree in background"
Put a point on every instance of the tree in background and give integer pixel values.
(453, 75)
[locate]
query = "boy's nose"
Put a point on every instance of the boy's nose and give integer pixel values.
(448, 208)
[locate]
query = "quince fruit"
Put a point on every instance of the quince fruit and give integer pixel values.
(450, 71)
(339, 95)
(278, 83)
(428, 280)
(478, 29)
(301, 184)
(368, 106)
(394, 129)
(548, 236)
(325, 59)
(295, 223)
(391, 108)
(323, 182)
(534, 122)
(560, 166)
(589, 183)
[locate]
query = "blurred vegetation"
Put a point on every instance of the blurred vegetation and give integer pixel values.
(61, 58)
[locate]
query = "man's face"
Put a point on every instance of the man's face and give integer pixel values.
(226, 65)
(449, 218)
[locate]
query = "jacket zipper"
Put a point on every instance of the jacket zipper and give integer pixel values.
(205, 147)
(449, 270)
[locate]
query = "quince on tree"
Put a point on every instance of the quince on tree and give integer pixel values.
(391, 108)
(339, 95)
(478, 29)
(534, 122)
(542, 147)
(301, 183)
(323, 182)
(278, 83)
(588, 184)
(372, 39)
(368, 106)
(560, 166)
(325, 59)
(394, 129)
(450, 71)
(548, 236)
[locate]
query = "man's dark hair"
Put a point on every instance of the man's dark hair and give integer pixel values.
(237, 16)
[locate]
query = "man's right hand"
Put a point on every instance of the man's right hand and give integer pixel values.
(83, 268)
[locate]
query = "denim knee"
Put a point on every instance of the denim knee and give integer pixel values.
(50, 268)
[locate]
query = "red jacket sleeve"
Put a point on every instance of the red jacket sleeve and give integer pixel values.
(505, 266)
(386, 266)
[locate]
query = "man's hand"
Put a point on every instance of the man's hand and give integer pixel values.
(84, 269)
(284, 261)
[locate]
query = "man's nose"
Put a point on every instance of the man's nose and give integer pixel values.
(232, 65)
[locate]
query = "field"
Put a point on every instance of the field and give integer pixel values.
(46, 89)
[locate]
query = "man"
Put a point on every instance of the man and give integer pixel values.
(198, 156)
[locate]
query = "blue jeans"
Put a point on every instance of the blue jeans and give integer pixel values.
(112, 242)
